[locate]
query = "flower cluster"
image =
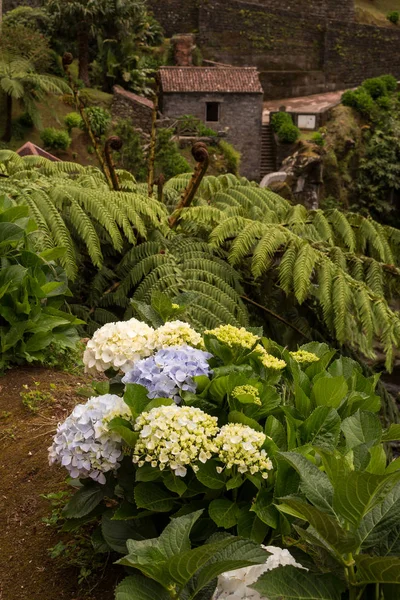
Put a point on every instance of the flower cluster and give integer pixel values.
(240, 446)
(268, 360)
(169, 371)
(83, 443)
(233, 336)
(235, 585)
(177, 333)
(247, 390)
(119, 346)
(174, 437)
(302, 356)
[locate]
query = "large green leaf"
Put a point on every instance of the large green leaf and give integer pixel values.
(175, 537)
(329, 391)
(265, 509)
(358, 493)
(116, 533)
(326, 526)
(136, 398)
(314, 483)
(378, 569)
(235, 555)
(376, 524)
(362, 428)
(154, 497)
(392, 434)
(181, 568)
(84, 501)
(138, 587)
(224, 513)
(276, 431)
(290, 583)
(10, 232)
(250, 526)
(208, 476)
(321, 428)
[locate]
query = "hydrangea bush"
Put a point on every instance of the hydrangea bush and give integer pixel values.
(242, 443)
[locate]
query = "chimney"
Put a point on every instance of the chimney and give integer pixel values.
(183, 46)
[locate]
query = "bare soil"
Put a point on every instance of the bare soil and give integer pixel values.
(27, 572)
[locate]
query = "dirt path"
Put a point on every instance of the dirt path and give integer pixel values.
(26, 570)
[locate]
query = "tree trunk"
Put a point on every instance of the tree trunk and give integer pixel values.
(8, 130)
(83, 50)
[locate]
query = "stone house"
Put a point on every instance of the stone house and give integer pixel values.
(226, 99)
(137, 109)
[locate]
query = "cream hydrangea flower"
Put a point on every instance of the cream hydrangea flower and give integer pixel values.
(302, 356)
(118, 346)
(234, 336)
(174, 437)
(247, 390)
(177, 333)
(235, 585)
(240, 446)
(268, 360)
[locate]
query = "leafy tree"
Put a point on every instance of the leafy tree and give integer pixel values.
(26, 42)
(86, 19)
(19, 81)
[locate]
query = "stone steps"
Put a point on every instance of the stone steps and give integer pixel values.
(268, 157)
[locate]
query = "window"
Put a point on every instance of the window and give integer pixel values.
(212, 112)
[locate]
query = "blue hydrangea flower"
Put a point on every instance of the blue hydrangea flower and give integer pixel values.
(169, 371)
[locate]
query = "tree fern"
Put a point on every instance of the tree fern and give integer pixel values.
(178, 265)
(345, 261)
(69, 202)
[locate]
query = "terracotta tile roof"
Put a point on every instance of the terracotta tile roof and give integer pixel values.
(117, 89)
(238, 80)
(30, 149)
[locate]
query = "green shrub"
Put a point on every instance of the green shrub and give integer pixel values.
(384, 102)
(131, 156)
(26, 120)
(32, 287)
(288, 133)
(361, 101)
(318, 139)
(376, 87)
(232, 157)
(280, 118)
(99, 119)
(390, 82)
(169, 161)
(393, 16)
(55, 138)
(71, 120)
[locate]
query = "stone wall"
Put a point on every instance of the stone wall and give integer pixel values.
(176, 16)
(241, 114)
(244, 34)
(354, 52)
(137, 109)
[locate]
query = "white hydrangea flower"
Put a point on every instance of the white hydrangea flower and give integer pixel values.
(83, 443)
(240, 446)
(235, 585)
(177, 333)
(118, 346)
(174, 437)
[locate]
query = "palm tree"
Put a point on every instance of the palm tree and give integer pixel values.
(19, 81)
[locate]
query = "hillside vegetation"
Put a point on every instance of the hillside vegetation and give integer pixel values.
(373, 12)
